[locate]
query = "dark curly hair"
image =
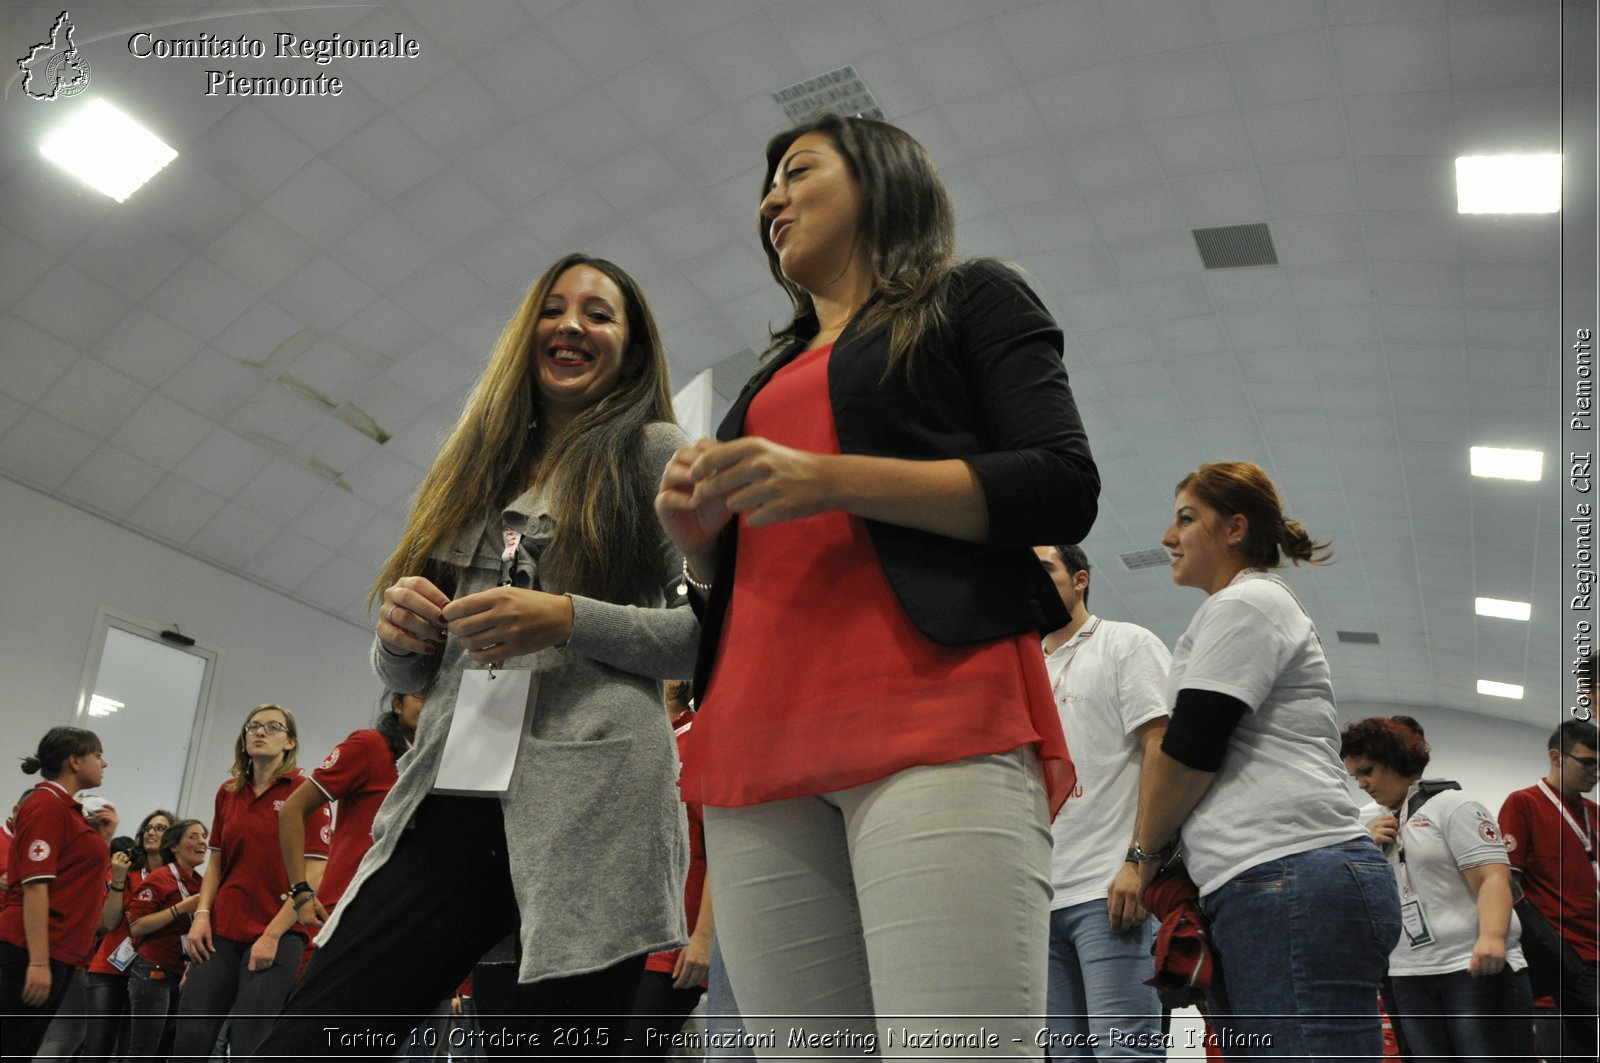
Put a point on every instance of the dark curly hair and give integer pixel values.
(1388, 742)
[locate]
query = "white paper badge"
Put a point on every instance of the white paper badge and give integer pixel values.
(484, 733)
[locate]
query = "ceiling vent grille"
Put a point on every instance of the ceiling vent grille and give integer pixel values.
(838, 91)
(1236, 246)
(1368, 637)
(1138, 559)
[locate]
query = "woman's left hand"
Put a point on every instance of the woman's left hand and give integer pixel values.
(1488, 956)
(505, 622)
(766, 482)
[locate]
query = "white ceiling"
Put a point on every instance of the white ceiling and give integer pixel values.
(190, 363)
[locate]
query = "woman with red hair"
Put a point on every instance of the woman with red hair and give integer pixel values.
(1460, 981)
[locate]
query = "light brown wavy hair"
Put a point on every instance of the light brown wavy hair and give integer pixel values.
(241, 756)
(606, 542)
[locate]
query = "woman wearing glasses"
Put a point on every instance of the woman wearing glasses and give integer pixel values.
(244, 941)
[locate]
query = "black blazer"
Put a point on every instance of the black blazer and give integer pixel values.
(988, 387)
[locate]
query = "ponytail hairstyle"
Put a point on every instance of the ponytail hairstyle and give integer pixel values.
(58, 744)
(1243, 489)
(241, 755)
(907, 230)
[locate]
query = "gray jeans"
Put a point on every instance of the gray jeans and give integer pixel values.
(913, 904)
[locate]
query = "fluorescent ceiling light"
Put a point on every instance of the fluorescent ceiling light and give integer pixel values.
(1504, 609)
(99, 706)
(1502, 464)
(106, 150)
(1508, 184)
(1499, 690)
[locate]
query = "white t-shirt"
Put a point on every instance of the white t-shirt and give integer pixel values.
(1108, 681)
(1281, 789)
(1445, 837)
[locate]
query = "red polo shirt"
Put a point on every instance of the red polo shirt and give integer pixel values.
(1557, 874)
(244, 837)
(357, 774)
(55, 844)
(157, 893)
(101, 964)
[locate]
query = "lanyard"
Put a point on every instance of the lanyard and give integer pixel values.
(1583, 832)
(1076, 644)
(177, 876)
(508, 559)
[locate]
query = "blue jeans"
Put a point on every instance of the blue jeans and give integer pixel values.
(1302, 943)
(1466, 1018)
(1097, 985)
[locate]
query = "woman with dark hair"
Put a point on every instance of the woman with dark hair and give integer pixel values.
(244, 944)
(107, 1005)
(533, 577)
(873, 496)
(1302, 908)
(1460, 982)
(158, 915)
(358, 774)
(56, 891)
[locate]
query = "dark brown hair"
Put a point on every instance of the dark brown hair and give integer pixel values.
(1243, 489)
(907, 229)
(56, 746)
(174, 835)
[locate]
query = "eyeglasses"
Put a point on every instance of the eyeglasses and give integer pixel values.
(156, 828)
(1590, 763)
(273, 728)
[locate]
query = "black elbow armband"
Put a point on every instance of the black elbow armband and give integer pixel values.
(1202, 722)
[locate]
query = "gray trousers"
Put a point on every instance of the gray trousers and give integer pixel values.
(916, 903)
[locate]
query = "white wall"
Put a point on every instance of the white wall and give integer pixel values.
(62, 564)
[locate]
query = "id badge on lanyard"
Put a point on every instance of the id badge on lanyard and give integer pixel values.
(480, 749)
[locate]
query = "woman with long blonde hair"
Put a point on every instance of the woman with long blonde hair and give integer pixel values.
(532, 574)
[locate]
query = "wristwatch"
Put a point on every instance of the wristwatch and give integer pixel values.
(1137, 855)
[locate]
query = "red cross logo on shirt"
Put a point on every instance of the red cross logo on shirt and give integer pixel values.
(39, 850)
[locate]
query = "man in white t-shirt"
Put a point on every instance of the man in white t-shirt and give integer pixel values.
(1108, 679)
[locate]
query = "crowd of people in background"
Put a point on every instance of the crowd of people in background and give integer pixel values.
(896, 689)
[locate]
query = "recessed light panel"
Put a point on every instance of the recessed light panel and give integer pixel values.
(106, 150)
(1500, 690)
(1505, 610)
(1502, 464)
(1508, 184)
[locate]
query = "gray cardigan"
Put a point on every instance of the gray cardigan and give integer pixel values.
(594, 828)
